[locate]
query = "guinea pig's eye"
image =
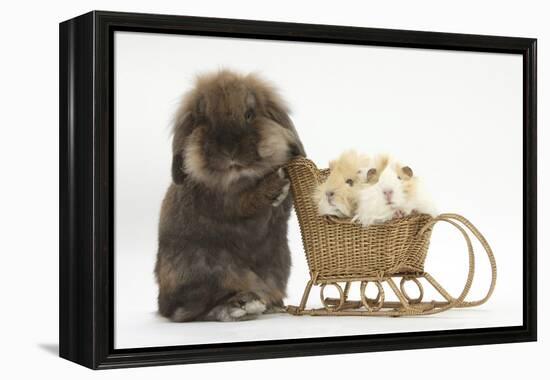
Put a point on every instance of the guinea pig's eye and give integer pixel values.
(399, 177)
(349, 182)
(249, 115)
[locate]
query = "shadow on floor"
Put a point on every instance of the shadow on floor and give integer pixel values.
(52, 348)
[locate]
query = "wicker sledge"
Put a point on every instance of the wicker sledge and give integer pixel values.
(340, 253)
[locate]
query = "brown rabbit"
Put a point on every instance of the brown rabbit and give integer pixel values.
(223, 252)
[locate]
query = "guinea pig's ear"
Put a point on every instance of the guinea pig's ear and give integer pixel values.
(277, 112)
(407, 171)
(371, 174)
(178, 174)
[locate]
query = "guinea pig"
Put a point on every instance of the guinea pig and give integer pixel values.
(418, 199)
(366, 175)
(349, 165)
(223, 253)
(335, 196)
(391, 191)
(378, 200)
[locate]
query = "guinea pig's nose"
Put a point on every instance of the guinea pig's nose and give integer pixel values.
(388, 194)
(330, 194)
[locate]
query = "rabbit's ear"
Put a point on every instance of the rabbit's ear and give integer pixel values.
(182, 127)
(277, 112)
(178, 173)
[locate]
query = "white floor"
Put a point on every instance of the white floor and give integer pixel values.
(138, 325)
(151, 328)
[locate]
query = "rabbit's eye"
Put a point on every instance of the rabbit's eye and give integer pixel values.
(349, 182)
(249, 115)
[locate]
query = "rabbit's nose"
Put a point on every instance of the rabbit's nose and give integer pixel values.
(294, 150)
(229, 152)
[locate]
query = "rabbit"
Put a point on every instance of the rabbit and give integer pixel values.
(390, 191)
(222, 252)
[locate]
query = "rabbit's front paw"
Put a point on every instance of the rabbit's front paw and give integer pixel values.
(284, 190)
(282, 196)
(276, 187)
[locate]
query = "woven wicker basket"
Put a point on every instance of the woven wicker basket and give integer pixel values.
(339, 250)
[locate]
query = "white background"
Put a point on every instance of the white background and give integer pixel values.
(30, 208)
(455, 117)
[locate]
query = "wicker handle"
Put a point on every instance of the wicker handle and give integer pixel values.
(455, 219)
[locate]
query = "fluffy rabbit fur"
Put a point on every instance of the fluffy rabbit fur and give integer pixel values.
(222, 249)
(391, 191)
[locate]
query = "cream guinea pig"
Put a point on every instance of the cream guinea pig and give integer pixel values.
(337, 195)
(349, 165)
(390, 191)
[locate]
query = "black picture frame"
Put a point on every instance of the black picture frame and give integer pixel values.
(87, 179)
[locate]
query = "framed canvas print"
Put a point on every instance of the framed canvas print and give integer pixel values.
(236, 189)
